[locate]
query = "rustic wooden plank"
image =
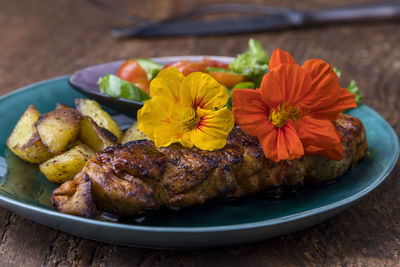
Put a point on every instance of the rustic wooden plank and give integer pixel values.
(44, 39)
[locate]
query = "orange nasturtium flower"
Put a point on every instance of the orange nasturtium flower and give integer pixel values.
(189, 110)
(293, 110)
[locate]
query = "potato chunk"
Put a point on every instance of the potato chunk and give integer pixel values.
(24, 140)
(96, 137)
(133, 134)
(92, 109)
(64, 167)
(59, 129)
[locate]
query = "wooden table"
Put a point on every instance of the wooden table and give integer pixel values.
(44, 39)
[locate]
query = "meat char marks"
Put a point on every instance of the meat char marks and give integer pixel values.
(137, 177)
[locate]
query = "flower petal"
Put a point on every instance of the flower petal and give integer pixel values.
(155, 112)
(282, 143)
(185, 140)
(326, 98)
(166, 134)
(202, 90)
(285, 83)
(213, 129)
(250, 112)
(279, 57)
(167, 84)
(320, 137)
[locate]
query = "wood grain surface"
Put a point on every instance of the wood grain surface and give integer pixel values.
(43, 39)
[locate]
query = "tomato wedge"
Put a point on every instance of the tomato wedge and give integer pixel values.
(227, 79)
(186, 67)
(131, 71)
(215, 63)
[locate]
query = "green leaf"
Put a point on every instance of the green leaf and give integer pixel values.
(216, 69)
(258, 52)
(253, 63)
(244, 85)
(353, 88)
(151, 68)
(337, 71)
(113, 86)
(229, 103)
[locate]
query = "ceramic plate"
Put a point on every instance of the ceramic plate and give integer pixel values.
(85, 81)
(24, 190)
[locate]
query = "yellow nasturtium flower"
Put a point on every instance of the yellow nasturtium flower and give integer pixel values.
(189, 110)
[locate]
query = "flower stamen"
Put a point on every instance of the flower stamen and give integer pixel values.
(189, 119)
(284, 112)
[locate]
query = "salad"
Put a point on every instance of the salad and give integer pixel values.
(246, 71)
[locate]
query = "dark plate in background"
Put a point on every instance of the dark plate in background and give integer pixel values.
(85, 81)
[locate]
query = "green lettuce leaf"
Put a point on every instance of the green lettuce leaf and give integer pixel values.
(352, 87)
(337, 71)
(229, 103)
(253, 63)
(113, 86)
(151, 68)
(216, 69)
(242, 85)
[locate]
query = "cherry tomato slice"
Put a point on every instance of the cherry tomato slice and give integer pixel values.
(216, 64)
(186, 67)
(131, 71)
(227, 79)
(143, 84)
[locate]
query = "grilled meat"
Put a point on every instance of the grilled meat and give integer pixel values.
(136, 177)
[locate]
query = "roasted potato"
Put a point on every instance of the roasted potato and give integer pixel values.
(92, 109)
(133, 134)
(96, 137)
(24, 140)
(65, 166)
(59, 129)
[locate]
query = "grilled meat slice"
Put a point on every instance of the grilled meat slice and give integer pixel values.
(355, 147)
(75, 197)
(136, 177)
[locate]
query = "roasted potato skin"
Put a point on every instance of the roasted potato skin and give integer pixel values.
(92, 109)
(133, 134)
(24, 140)
(59, 129)
(96, 137)
(65, 166)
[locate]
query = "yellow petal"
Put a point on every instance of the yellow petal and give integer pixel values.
(167, 84)
(202, 90)
(213, 129)
(185, 140)
(155, 112)
(166, 134)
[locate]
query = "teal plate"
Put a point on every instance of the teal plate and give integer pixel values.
(24, 190)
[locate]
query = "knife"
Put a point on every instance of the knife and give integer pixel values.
(273, 19)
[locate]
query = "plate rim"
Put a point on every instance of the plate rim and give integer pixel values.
(204, 229)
